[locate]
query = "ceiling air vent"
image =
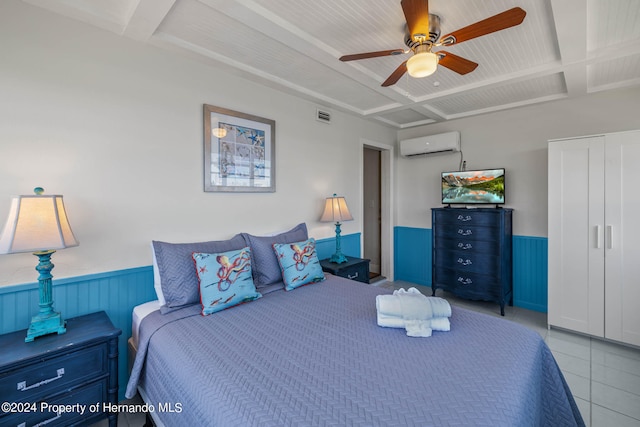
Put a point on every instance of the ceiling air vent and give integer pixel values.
(323, 116)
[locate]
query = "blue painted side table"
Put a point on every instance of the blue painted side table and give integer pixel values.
(61, 380)
(354, 268)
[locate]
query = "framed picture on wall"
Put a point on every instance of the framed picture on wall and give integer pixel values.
(239, 151)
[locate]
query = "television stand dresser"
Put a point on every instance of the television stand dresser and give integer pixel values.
(472, 253)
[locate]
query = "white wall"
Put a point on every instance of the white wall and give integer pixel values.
(116, 127)
(517, 140)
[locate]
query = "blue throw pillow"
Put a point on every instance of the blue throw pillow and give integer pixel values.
(266, 270)
(225, 279)
(299, 263)
(179, 282)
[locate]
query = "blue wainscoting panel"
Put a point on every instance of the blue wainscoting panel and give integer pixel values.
(413, 262)
(349, 244)
(530, 272)
(115, 292)
(412, 248)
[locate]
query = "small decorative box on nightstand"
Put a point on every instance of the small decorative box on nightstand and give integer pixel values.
(78, 369)
(354, 268)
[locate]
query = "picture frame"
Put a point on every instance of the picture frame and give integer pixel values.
(239, 152)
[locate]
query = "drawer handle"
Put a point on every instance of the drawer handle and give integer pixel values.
(464, 261)
(466, 232)
(352, 277)
(465, 246)
(465, 280)
(22, 385)
(464, 218)
(43, 423)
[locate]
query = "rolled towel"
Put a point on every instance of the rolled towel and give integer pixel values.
(414, 309)
(440, 307)
(390, 321)
(415, 306)
(417, 328)
(441, 324)
(391, 305)
(409, 304)
(410, 309)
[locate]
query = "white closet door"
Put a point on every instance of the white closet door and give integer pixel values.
(622, 213)
(576, 232)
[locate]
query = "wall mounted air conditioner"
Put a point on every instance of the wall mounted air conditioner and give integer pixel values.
(442, 143)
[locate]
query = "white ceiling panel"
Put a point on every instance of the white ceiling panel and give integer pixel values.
(615, 73)
(511, 94)
(612, 22)
(402, 118)
(563, 48)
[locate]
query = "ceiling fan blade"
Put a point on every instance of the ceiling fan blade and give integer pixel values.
(395, 76)
(366, 55)
(456, 63)
(416, 12)
(501, 21)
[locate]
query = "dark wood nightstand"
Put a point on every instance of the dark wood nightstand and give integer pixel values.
(354, 268)
(78, 369)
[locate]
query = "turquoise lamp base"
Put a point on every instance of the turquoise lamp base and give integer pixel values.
(338, 258)
(47, 321)
(51, 323)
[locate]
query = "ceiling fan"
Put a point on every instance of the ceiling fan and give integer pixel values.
(423, 34)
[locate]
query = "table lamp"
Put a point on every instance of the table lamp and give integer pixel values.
(336, 209)
(39, 224)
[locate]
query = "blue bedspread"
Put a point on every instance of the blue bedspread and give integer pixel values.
(315, 357)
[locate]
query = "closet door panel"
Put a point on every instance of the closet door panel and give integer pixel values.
(622, 239)
(576, 254)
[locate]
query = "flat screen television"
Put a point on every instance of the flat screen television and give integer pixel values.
(473, 187)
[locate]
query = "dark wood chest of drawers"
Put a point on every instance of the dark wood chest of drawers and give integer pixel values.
(60, 380)
(472, 253)
(354, 269)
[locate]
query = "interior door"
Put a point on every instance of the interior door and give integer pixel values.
(372, 238)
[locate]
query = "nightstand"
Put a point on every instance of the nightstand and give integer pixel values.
(78, 368)
(354, 268)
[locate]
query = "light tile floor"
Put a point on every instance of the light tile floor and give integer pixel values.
(604, 377)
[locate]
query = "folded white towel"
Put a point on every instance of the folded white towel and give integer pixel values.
(417, 328)
(420, 306)
(441, 324)
(390, 321)
(404, 303)
(410, 309)
(440, 307)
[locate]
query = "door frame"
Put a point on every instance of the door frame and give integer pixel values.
(387, 154)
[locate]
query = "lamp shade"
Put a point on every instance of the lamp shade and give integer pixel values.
(36, 223)
(336, 210)
(422, 64)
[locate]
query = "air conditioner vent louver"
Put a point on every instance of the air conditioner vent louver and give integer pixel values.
(442, 143)
(323, 116)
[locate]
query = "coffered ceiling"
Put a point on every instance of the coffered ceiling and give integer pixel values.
(563, 49)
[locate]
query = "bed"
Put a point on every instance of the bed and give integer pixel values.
(316, 357)
(250, 331)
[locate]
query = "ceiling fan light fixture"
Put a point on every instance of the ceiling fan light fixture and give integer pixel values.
(422, 64)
